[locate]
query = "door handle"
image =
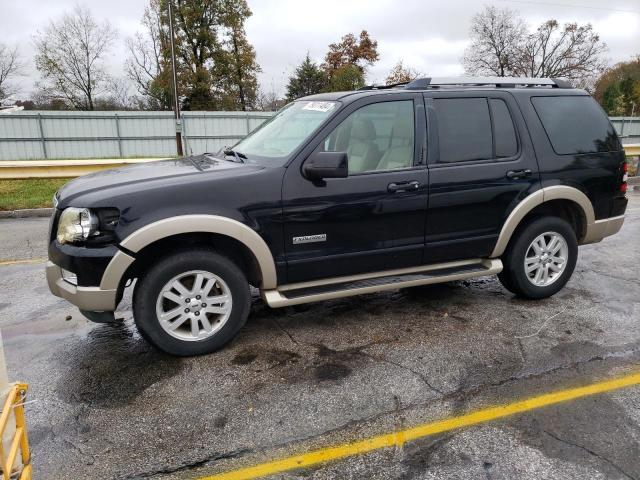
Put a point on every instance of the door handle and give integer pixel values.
(403, 186)
(515, 174)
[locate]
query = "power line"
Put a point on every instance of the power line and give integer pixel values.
(551, 4)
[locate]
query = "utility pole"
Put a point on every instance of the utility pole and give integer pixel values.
(176, 106)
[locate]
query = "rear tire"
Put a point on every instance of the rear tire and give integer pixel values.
(539, 261)
(191, 302)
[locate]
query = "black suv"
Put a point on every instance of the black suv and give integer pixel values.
(340, 194)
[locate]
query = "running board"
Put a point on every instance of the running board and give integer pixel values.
(338, 287)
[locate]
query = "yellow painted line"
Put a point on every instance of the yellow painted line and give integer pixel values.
(396, 439)
(5, 263)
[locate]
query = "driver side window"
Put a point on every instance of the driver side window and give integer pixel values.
(379, 136)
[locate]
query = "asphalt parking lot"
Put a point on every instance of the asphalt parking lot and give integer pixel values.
(107, 405)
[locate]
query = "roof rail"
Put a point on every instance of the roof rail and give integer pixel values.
(384, 87)
(498, 82)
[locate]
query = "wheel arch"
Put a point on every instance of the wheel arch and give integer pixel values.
(548, 199)
(237, 233)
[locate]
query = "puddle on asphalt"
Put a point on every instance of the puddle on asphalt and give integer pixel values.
(111, 366)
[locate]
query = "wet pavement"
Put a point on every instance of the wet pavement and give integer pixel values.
(109, 406)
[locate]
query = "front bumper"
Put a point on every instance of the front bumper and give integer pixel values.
(85, 298)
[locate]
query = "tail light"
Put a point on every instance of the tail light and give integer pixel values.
(625, 177)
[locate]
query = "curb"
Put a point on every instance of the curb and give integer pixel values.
(27, 213)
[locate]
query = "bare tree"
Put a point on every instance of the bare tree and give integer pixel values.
(70, 54)
(500, 45)
(146, 65)
(269, 101)
(496, 38)
(401, 74)
(11, 66)
(574, 52)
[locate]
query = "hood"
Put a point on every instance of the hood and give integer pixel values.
(156, 171)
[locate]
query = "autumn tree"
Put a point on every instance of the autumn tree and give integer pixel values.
(11, 67)
(307, 79)
(618, 89)
(500, 46)
(497, 35)
(401, 74)
(360, 52)
(70, 55)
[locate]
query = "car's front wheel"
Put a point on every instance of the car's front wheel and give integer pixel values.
(540, 259)
(191, 302)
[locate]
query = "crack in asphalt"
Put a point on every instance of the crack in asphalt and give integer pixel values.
(592, 453)
(395, 411)
(418, 374)
(615, 277)
(359, 350)
(189, 466)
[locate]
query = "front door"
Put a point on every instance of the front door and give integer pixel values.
(481, 164)
(374, 219)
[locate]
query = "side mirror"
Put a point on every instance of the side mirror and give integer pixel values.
(323, 165)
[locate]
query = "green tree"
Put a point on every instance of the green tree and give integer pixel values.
(215, 62)
(618, 88)
(236, 68)
(347, 77)
(308, 79)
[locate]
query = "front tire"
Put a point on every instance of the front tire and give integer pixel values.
(540, 259)
(191, 302)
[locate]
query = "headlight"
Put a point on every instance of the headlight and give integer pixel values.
(76, 225)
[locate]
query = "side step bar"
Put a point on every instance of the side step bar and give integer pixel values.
(326, 289)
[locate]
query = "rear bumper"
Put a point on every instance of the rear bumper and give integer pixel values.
(602, 228)
(85, 298)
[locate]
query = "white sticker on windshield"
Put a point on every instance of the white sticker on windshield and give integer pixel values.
(319, 106)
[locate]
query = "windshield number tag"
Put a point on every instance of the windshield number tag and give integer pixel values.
(319, 106)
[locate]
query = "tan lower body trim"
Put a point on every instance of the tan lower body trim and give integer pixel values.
(599, 229)
(277, 297)
(85, 298)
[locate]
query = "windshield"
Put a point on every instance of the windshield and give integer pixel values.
(286, 130)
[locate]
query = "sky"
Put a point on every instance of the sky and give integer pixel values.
(429, 36)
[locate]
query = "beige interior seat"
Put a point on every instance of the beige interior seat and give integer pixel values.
(400, 152)
(362, 149)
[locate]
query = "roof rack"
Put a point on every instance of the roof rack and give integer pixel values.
(498, 82)
(384, 87)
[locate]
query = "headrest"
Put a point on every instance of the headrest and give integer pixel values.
(403, 127)
(363, 129)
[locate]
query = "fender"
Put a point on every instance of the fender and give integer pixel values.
(209, 224)
(546, 194)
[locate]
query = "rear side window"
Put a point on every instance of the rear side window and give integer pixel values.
(503, 130)
(464, 129)
(575, 124)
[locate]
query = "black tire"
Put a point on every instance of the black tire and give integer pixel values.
(151, 283)
(514, 277)
(506, 281)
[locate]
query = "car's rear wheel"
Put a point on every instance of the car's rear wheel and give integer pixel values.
(540, 259)
(191, 302)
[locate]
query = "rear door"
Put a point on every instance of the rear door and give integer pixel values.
(481, 165)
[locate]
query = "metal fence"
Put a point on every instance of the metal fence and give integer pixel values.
(628, 129)
(69, 135)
